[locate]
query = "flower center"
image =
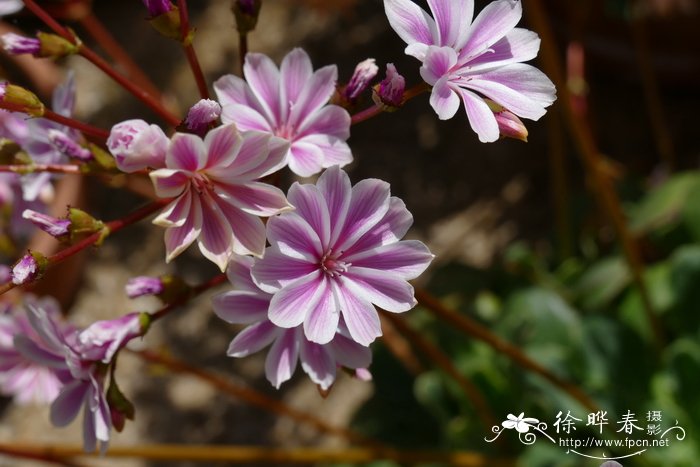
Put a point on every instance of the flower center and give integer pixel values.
(285, 131)
(332, 266)
(201, 183)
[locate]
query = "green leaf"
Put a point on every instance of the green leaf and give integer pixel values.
(602, 283)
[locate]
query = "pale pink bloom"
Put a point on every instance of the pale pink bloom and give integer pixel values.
(137, 145)
(248, 305)
(25, 379)
(467, 61)
(144, 285)
(8, 7)
(218, 198)
(339, 253)
(290, 102)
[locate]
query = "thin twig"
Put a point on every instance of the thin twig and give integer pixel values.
(186, 36)
(35, 168)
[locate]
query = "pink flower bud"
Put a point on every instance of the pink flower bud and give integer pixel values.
(157, 7)
(390, 91)
(101, 340)
(246, 14)
(51, 225)
(29, 268)
(201, 115)
(66, 146)
(16, 44)
(509, 125)
(136, 145)
(364, 73)
(144, 285)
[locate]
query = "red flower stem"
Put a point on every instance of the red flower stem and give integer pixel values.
(213, 282)
(100, 63)
(110, 227)
(189, 50)
(375, 110)
(90, 130)
(34, 168)
(102, 36)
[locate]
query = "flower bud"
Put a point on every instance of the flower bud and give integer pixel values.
(136, 145)
(120, 407)
(18, 99)
(509, 125)
(16, 44)
(29, 268)
(390, 91)
(102, 339)
(202, 115)
(44, 45)
(364, 73)
(158, 7)
(51, 225)
(83, 224)
(144, 285)
(165, 18)
(66, 146)
(246, 13)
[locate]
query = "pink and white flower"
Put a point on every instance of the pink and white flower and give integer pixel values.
(137, 145)
(290, 102)
(218, 199)
(248, 305)
(467, 61)
(339, 254)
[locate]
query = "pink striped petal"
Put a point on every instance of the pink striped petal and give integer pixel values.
(263, 77)
(335, 187)
(321, 322)
(282, 358)
(349, 353)
(444, 99)
(390, 229)
(406, 259)
(310, 205)
(493, 22)
(186, 152)
(289, 307)
(305, 159)
(437, 64)
(295, 72)
(248, 230)
(175, 214)
(315, 94)
(368, 205)
(231, 90)
(318, 363)
(240, 307)
(519, 45)
(276, 159)
(411, 22)
(359, 315)
(169, 183)
(384, 290)
(238, 273)
(257, 198)
(253, 151)
(294, 237)
(481, 117)
(222, 144)
(452, 18)
(277, 270)
(245, 117)
(177, 239)
(68, 403)
(216, 239)
(331, 120)
(252, 339)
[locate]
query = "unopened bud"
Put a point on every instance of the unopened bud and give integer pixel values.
(246, 13)
(83, 224)
(364, 73)
(144, 285)
(202, 115)
(509, 125)
(16, 44)
(158, 7)
(18, 99)
(136, 145)
(390, 91)
(43, 45)
(165, 18)
(29, 268)
(51, 225)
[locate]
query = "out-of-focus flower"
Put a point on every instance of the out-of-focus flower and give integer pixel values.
(201, 115)
(25, 379)
(390, 91)
(157, 7)
(364, 73)
(218, 198)
(17, 44)
(137, 145)
(68, 146)
(246, 14)
(102, 339)
(339, 254)
(5, 274)
(289, 102)
(8, 7)
(44, 45)
(51, 225)
(248, 305)
(467, 61)
(144, 285)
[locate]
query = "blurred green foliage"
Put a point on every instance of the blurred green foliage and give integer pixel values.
(582, 318)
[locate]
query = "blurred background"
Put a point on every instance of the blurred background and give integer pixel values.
(581, 248)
